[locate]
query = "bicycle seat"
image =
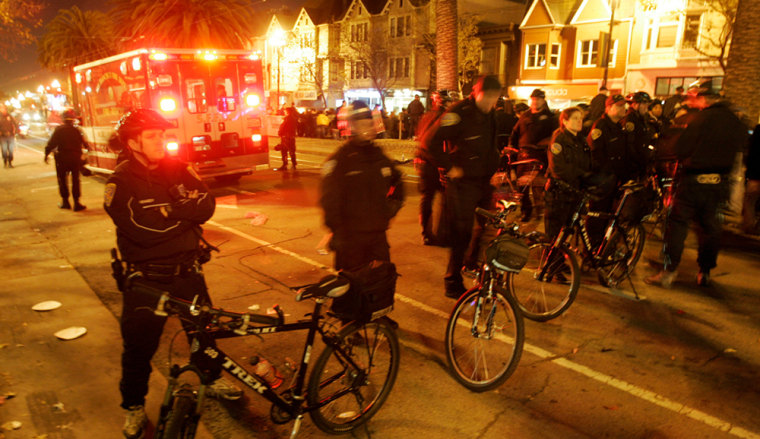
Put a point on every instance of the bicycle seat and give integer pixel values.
(333, 285)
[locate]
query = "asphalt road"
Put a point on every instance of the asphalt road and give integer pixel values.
(681, 364)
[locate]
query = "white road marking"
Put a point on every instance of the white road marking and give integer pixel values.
(624, 386)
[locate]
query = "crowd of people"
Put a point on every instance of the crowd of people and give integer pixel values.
(598, 147)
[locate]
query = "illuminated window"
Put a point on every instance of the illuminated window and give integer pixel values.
(535, 57)
(554, 56)
(195, 90)
(588, 53)
(225, 95)
(691, 31)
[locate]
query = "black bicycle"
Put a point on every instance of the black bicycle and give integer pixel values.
(485, 332)
(348, 383)
(549, 283)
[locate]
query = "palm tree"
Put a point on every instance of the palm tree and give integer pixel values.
(74, 37)
(223, 24)
(743, 63)
(446, 44)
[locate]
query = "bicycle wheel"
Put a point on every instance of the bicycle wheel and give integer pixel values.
(548, 283)
(484, 339)
(623, 251)
(181, 422)
(343, 397)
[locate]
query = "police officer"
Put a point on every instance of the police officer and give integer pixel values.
(361, 191)
(640, 135)
(469, 161)
(570, 163)
(66, 145)
(427, 169)
(706, 150)
(531, 137)
(608, 141)
(157, 205)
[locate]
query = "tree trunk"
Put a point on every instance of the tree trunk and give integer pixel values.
(446, 44)
(743, 66)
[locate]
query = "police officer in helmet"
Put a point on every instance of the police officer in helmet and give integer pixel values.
(361, 191)
(639, 133)
(158, 205)
(706, 152)
(470, 160)
(66, 145)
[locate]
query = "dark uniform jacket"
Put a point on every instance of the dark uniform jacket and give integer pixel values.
(753, 155)
(471, 137)
(609, 148)
(569, 158)
(66, 142)
(534, 129)
(133, 197)
(415, 108)
(640, 137)
(711, 141)
(361, 190)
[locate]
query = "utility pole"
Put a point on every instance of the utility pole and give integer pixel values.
(608, 45)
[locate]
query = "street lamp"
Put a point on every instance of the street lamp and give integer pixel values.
(277, 40)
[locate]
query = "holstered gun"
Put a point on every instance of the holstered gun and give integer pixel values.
(117, 270)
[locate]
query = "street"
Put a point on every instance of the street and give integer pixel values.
(683, 363)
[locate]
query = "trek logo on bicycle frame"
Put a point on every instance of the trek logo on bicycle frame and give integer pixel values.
(252, 382)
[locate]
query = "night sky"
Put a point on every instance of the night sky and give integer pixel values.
(26, 73)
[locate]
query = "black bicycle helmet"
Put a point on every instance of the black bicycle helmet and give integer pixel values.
(136, 121)
(640, 97)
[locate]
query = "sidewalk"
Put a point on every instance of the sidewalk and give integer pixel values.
(61, 389)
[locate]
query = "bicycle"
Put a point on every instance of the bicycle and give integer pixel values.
(485, 332)
(348, 383)
(549, 283)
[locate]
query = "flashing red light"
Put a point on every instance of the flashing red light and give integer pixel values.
(167, 105)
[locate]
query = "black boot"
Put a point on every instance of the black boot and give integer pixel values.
(78, 206)
(64, 204)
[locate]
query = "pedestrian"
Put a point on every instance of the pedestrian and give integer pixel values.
(8, 131)
(469, 161)
(706, 151)
(66, 145)
(157, 205)
(342, 121)
(360, 192)
(415, 109)
(598, 105)
(655, 120)
(323, 124)
(287, 133)
(639, 135)
(673, 103)
(531, 138)
(429, 183)
(752, 191)
(608, 141)
(570, 163)
(403, 123)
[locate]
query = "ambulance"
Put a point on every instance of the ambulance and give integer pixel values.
(214, 100)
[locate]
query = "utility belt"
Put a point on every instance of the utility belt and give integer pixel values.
(164, 270)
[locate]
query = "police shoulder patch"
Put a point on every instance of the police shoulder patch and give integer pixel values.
(629, 126)
(450, 119)
(109, 194)
(596, 133)
(556, 148)
(328, 167)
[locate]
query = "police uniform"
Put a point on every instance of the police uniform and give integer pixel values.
(706, 150)
(66, 144)
(361, 191)
(569, 162)
(470, 136)
(640, 136)
(609, 148)
(528, 135)
(158, 234)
